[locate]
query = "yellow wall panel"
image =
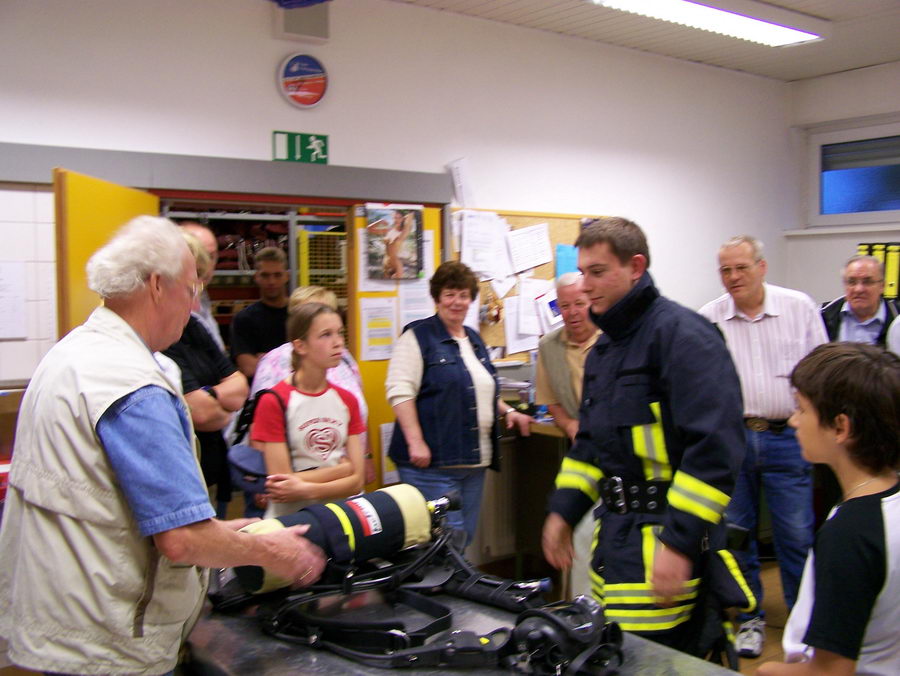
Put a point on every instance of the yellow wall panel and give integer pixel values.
(88, 211)
(374, 373)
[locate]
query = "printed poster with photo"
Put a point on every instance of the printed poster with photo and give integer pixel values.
(393, 248)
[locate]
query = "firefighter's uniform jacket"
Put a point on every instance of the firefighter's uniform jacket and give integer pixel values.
(661, 402)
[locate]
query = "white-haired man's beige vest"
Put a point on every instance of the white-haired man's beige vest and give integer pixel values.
(81, 591)
(553, 350)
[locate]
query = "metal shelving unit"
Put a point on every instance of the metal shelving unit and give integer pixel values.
(315, 255)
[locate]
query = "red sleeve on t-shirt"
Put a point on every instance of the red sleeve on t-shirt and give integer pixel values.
(356, 424)
(268, 417)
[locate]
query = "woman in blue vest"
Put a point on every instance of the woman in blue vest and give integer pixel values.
(443, 389)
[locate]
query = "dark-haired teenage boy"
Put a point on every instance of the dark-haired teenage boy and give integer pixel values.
(847, 615)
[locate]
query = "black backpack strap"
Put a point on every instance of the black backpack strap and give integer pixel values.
(248, 410)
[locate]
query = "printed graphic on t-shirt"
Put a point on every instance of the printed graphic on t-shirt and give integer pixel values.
(321, 436)
(318, 424)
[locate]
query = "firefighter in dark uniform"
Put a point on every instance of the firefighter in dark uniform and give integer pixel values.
(660, 440)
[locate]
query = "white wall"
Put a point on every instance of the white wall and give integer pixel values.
(693, 153)
(855, 99)
(26, 233)
(820, 258)
(855, 94)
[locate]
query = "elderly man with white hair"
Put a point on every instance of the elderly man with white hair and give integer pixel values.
(561, 355)
(558, 377)
(108, 527)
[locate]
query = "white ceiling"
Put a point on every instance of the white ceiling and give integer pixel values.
(864, 33)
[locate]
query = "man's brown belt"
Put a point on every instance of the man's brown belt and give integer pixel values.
(766, 425)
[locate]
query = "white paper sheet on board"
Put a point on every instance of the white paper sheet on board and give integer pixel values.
(414, 296)
(379, 327)
(548, 311)
(415, 301)
(473, 316)
(515, 341)
(503, 286)
(462, 181)
(484, 247)
(529, 247)
(529, 291)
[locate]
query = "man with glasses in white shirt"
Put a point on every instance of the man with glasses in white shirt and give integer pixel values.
(768, 329)
(862, 314)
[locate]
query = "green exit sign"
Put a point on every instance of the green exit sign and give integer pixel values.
(289, 146)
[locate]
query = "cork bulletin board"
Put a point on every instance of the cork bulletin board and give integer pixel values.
(563, 229)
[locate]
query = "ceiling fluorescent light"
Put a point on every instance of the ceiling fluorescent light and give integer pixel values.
(744, 19)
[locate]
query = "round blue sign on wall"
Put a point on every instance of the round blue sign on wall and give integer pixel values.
(302, 80)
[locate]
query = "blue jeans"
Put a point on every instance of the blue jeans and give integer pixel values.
(434, 482)
(774, 463)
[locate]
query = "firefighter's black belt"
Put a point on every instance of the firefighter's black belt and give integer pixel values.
(623, 496)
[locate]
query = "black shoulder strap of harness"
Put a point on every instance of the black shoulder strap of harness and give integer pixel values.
(451, 649)
(298, 621)
(387, 643)
(543, 642)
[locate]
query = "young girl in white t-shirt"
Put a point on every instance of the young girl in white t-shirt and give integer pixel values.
(313, 450)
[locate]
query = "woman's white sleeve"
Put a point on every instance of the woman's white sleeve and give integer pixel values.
(404, 377)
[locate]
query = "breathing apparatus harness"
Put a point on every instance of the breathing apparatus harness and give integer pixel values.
(370, 605)
(560, 638)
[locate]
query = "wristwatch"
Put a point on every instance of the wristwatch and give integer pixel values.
(210, 390)
(508, 411)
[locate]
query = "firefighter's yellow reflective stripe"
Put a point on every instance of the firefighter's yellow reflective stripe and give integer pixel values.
(696, 497)
(642, 586)
(580, 467)
(660, 614)
(729, 631)
(641, 593)
(649, 620)
(581, 476)
(624, 598)
(634, 593)
(735, 570)
(648, 547)
(345, 524)
(649, 445)
(597, 585)
(579, 483)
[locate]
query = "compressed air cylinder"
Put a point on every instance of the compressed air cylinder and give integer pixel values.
(377, 524)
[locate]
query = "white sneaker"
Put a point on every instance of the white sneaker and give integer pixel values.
(751, 637)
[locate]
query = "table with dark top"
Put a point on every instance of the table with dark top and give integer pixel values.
(234, 645)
